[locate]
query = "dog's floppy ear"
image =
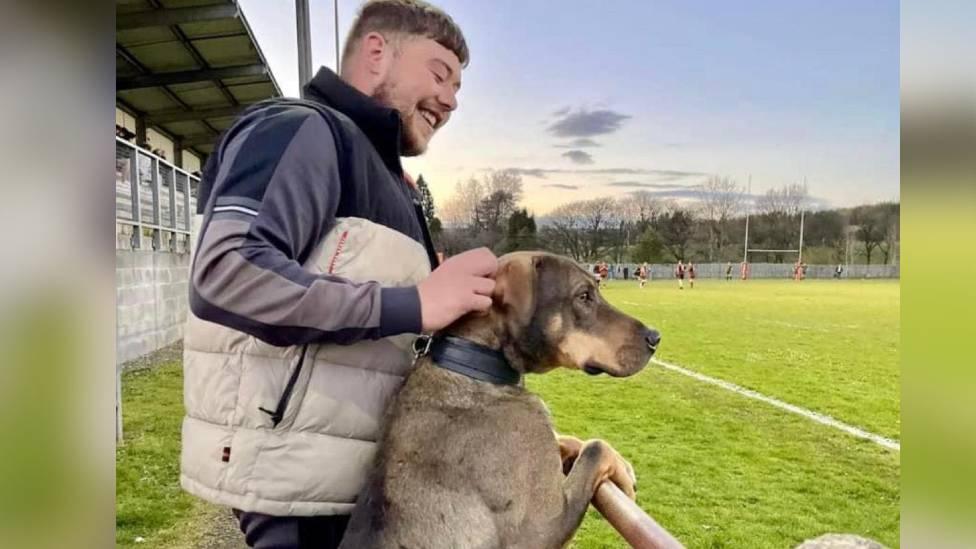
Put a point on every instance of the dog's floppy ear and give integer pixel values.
(514, 295)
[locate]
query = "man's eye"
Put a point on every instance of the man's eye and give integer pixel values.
(438, 78)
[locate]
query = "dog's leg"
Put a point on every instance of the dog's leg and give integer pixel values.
(597, 462)
(569, 449)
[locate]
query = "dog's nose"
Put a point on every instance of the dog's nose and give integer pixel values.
(652, 338)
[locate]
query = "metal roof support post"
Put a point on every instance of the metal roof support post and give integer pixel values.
(141, 131)
(178, 153)
(304, 44)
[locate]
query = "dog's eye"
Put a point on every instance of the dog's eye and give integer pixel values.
(585, 297)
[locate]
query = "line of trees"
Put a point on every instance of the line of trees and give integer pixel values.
(642, 227)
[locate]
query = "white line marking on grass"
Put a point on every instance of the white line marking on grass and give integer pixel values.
(809, 414)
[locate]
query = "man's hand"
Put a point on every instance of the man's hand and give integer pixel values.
(458, 286)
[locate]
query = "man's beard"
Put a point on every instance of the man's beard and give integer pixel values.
(410, 144)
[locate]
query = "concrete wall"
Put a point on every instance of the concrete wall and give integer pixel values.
(151, 300)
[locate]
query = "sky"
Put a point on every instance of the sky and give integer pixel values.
(590, 99)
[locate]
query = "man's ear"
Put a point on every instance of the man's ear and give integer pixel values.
(515, 281)
(377, 52)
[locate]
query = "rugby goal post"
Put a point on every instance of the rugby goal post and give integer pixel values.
(746, 250)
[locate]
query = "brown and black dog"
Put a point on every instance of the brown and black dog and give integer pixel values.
(464, 463)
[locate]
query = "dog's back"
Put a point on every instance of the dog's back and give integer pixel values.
(446, 460)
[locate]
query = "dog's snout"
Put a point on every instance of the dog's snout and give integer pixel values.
(652, 338)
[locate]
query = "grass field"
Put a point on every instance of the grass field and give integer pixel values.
(149, 503)
(721, 470)
(715, 468)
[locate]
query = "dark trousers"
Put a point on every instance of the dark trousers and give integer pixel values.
(269, 532)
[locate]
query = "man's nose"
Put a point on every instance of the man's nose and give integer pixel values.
(652, 338)
(448, 98)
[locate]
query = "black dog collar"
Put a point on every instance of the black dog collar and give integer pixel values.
(468, 358)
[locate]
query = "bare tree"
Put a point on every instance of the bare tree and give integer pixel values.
(562, 231)
(460, 210)
(889, 217)
(787, 200)
(721, 200)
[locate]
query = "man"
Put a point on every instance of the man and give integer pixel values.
(642, 274)
(691, 275)
(312, 272)
(679, 273)
(728, 271)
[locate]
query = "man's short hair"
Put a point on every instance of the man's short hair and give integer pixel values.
(407, 18)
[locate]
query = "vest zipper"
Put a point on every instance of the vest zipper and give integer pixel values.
(279, 411)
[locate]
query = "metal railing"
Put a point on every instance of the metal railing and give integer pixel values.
(154, 198)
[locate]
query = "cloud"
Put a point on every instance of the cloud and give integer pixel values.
(586, 123)
(656, 175)
(561, 186)
(645, 185)
(578, 143)
(692, 193)
(561, 112)
(578, 156)
(530, 172)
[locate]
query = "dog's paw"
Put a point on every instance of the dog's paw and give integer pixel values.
(569, 450)
(619, 471)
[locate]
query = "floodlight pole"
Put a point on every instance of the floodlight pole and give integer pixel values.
(335, 12)
(304, 44)
(745, 247)
(800, 256)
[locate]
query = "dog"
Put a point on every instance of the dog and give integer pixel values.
(468, 457)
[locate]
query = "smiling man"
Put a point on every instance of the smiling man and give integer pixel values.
(312, 271)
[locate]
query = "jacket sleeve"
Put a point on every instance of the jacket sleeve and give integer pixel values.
(274, 197)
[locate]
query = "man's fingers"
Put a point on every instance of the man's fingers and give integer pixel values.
(480, 302)
(477, 262)
(483, 286)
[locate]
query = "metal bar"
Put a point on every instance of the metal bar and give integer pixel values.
(304, 43)
(172, 200)
(630, 521)
(771, 251)
(136, 203)
(183, 77)
(149, 154)
(180, 115)
(187, 216)
(157, 204)
(173, 16)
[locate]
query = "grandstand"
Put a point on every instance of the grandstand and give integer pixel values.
(184, 71)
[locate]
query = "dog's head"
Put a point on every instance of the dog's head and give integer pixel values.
(548, 312)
